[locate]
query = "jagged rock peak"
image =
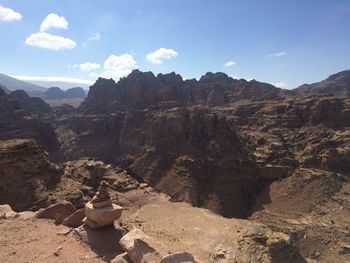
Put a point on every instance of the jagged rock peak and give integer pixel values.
(170, 78)
(342, 75)
(218, 76)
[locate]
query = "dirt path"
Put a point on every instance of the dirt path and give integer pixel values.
(41, 241)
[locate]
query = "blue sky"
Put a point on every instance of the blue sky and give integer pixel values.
(276, 41)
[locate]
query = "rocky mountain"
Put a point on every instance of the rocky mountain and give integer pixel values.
(142, 90)
(337, 84)
(33, 105)
(55, 93)
(23, 117)
(198, 140)
(14, 84)
(76, 92)
(242, 149)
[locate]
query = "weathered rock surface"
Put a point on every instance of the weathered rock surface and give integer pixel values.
(23, 117)
(337, 84)
(141, 90)
(178, 258)
(26, 174)
(214, 143)
(142, 248)
(59, 211)
(122, 258)
(177, 227)
(101, 217)
(6, 212)
(75, 219)
(33, 105)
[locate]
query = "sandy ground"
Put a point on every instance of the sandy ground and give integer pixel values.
(41, 241)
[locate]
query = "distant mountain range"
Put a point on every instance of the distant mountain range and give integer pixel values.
(55, 93)
(9, 84)
(12, 84)
(337, 84)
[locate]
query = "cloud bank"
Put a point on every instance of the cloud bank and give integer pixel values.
(54, 79)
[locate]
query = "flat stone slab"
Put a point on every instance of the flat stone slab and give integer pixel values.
(59, 211)
(102, 204)
(181, 257)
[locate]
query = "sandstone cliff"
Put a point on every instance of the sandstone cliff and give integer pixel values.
(26, 175)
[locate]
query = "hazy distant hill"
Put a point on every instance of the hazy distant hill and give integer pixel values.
(336, 84)
(15, 84)
(62, 85)
(3, 88)
(55, 93)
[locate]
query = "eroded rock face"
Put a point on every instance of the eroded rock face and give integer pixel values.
(23, 117)
(142, 90)
(33, 105)
(183, 136)
(25, 175)
(336, 84)
(191, 154)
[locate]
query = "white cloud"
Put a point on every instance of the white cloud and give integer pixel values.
(53, 21)
(48, 41)
(87, 66)
(230, 63)
(278, 54)
(281, 85)
(54, 79)
(158, 56)
(95, 37)
(118, 66)
(8, 15)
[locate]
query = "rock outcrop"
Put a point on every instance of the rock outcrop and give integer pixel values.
(22, 117)
(26, 174)
(337, 84)
(142, 90)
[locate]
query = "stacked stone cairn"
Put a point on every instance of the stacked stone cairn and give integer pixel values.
(100, 211)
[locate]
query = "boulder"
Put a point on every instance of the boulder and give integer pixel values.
(76, 198)
(6, 212)
(142, 248)
(100, 217)
(122, 258)
(181, 257)
(26, 215)
(59, 211)
(75, 219)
